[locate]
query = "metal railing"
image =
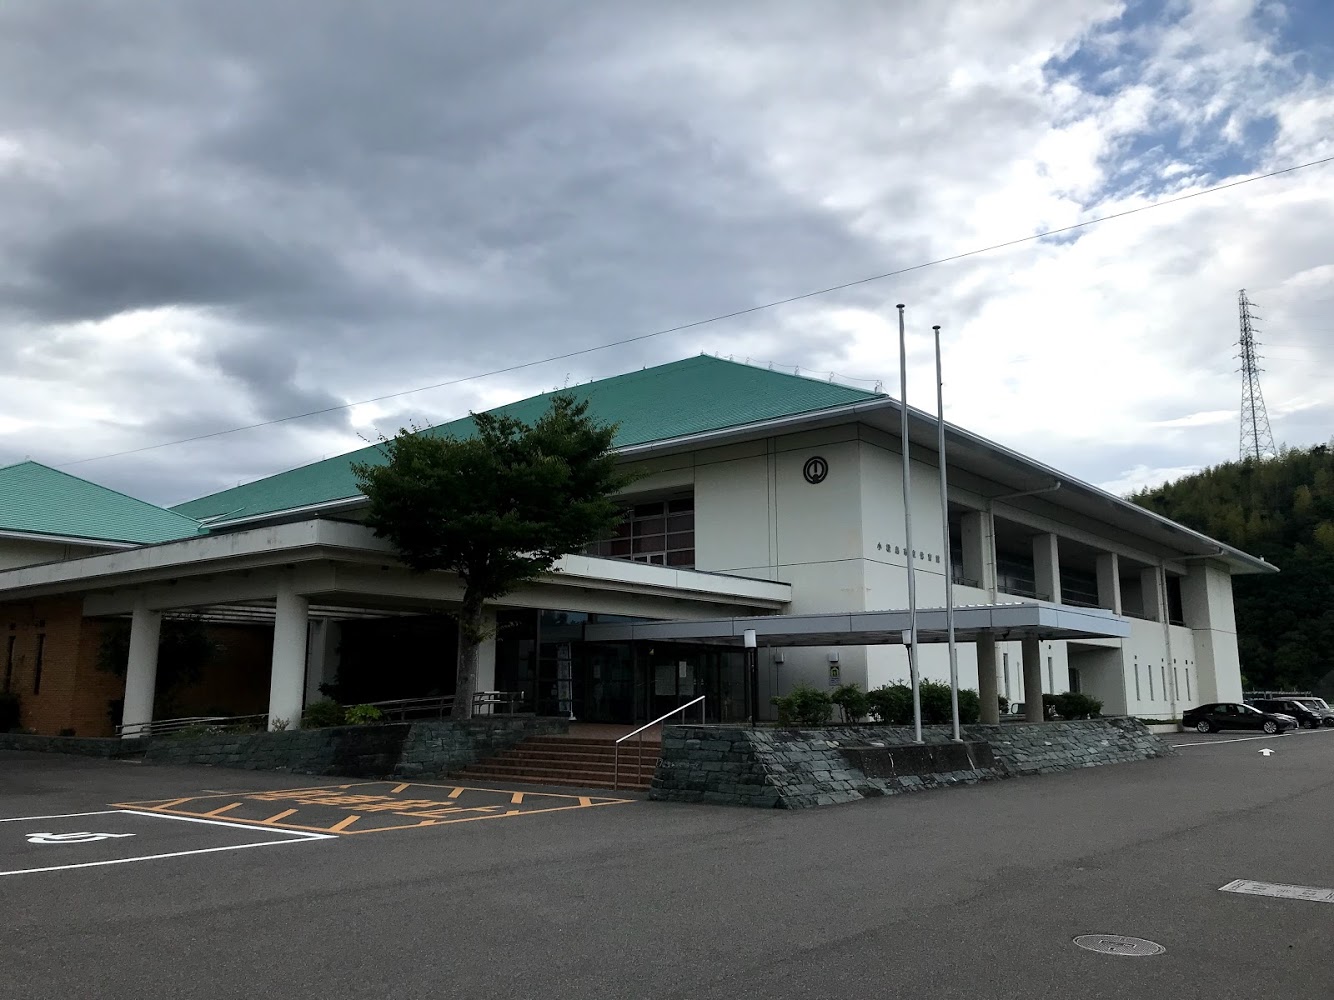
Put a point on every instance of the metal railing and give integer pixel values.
(639, 766)
(438, 705)
(398, 708)
(217, 723)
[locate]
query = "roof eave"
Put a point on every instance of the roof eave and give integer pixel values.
(1239, 562)
(39, 536)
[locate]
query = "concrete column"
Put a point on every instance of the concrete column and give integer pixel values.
(1152, 596)
(486, 656)
(1033, 680)
(987, 687)
(975, 536)
(141, 668)
(321, 657)
(1047, 566)
(287, 678)
(1109, 581)
(1206, 597)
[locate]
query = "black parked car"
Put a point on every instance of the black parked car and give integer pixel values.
(1305, 710)
(1234, 715)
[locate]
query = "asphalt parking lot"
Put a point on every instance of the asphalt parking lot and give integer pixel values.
(121, 879)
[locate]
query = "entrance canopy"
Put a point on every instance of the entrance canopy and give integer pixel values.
(1027, 620)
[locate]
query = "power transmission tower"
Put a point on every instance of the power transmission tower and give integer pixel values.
(1257, 440)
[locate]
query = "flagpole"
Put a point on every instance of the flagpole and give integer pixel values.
(945, 530)
(908, 550)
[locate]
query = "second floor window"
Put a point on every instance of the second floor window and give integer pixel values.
(658, 532)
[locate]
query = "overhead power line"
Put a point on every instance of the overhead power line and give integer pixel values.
(734, 314)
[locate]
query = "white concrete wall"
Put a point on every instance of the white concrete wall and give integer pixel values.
(21, 552)
(1101, 676)
(841, 545)
(1206, 598)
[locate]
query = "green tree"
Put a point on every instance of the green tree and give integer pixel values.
(1281, 509)
(497, 509)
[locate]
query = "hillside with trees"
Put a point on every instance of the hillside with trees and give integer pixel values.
(1281, 509)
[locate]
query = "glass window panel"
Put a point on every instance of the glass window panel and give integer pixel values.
(680, 504)
(648, 510)
(681, 540)
(653, 543)
(681, 522)
(649, 526)
(686, 557)
(620, 547)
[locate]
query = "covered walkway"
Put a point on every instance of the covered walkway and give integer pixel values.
(1029, 622)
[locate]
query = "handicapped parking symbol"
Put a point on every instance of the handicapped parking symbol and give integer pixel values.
(73, 838)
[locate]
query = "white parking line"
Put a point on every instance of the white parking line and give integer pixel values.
(221, 822)
(19, 819)
(1279, 890)
(1247, 739)
(289, 837)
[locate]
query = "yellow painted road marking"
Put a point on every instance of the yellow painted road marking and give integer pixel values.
(377, 797)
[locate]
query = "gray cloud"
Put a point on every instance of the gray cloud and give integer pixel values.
(316, 202)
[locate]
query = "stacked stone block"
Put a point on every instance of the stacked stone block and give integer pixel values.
(796, 769)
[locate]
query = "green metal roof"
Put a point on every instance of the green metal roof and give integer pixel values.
(37, 499)
(672, 400)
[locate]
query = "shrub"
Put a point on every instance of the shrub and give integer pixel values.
(1004, 703)
(1049, 706)
(322, 714)
(279, 725)
(193, 731)
(970, 707)
(852, 703)
(361, 715)
(1072, 705)
(10, 711)
(891, 704)
(804, 706)
(936, 708)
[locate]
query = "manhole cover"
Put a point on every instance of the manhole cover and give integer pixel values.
(1115, 944)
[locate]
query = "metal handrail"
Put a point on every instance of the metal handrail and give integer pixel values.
(616, 752)
(165, 727)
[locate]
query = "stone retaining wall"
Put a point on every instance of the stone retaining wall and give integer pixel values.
(793, 769)
(404, 749)
(434, 749)
(351, 751)
(84, 746)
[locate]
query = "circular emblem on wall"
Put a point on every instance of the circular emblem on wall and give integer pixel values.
(815, 470)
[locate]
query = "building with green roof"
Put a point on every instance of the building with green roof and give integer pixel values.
(46, 513)
(760, 494)
(676, 400)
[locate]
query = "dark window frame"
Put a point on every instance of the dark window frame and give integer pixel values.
(37, 664)
(9, 664)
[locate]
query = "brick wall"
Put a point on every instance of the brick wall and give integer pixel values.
(236, 681)
(73, 693)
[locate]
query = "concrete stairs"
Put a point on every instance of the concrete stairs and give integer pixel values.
(575, 761)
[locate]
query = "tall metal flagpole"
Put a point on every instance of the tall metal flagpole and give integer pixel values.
(945, 530)
(908, 550)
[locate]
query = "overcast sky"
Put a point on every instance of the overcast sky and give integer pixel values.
(217, 214)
